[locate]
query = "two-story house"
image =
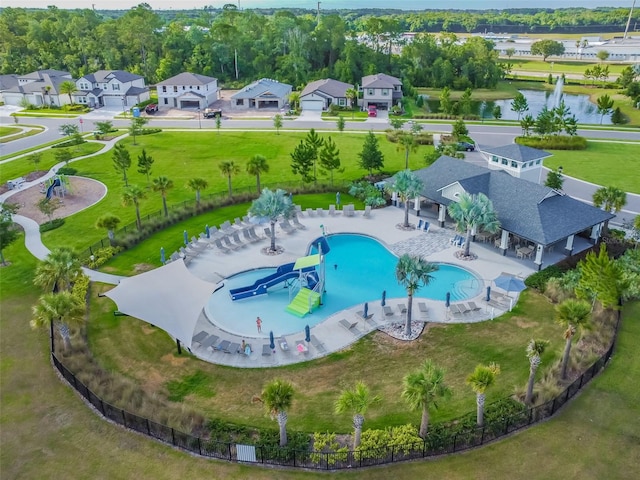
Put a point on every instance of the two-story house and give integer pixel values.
(111, 88)
(41, 87)
(381, 90)
(187, 90)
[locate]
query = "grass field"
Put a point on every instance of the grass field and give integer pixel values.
(559, 67)
(6, 131)
(45, 427)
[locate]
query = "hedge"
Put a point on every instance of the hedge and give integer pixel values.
(554, 142)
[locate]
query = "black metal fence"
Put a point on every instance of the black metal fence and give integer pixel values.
(434, 444)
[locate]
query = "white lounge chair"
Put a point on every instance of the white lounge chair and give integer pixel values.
(367, 212)
(318, 345)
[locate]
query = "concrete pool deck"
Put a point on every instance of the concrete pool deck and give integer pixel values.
(213, 265)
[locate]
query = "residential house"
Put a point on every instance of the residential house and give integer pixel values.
(111, 88)
(321, 94)
(7, 82)
(261, 94)
(38, 88)
(187, 90)
(381, 90)
(517, 160)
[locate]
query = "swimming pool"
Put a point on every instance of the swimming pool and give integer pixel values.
(358, 269)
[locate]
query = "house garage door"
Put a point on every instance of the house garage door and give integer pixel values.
(312, 105)
(112, 101)
(189, 104)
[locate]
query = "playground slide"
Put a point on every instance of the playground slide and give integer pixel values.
(259, 287)
(56, 183)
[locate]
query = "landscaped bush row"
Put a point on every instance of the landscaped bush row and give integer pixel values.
(52, 225)
(445, 116)
(554, 142)
(539, 279)
(149, 131)
(76, 140)
(67, 171)
(422, 138)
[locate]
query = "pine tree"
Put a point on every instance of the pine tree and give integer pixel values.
(371, 157)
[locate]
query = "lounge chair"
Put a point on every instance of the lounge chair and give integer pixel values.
(367, 212)
(298, 208)
(284, 345)
(360, 314)
(332, 210)
(310, 212)
(423, 308)
(419, 227)
(425, 227)
(209, 342)
(229, 244)
(237, 241)
(247, 236)
(233, 348)
(297, 224)
(350, 326)
(473, 306)
(227, 228)
(388, 311)
(198, 338)
(223, 345)
(301, 347)
(318, 345)
(402, 307)
(455, 309)
(267, 232)
(246, 351)
(286, 226)
(253, 234)
(320, 212)
(218, 243)
(266, 349)
(463, 308)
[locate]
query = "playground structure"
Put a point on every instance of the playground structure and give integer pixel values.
(57, 185)
(305, 283)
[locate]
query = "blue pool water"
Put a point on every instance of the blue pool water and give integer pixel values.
(358, 269)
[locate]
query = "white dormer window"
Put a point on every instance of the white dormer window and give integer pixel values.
(514, 164)
(115, 86)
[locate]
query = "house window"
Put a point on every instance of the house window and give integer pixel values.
(505, 161)
(240, 101)
(198, 87)
(115, 86)
(514, 164)
(538, 162)
(370, 91)
(342, 102)
(183, 88)
(166, 101)
(494, 159)
(104, 86)
(175, 89)
(385, 92)
(164, 89)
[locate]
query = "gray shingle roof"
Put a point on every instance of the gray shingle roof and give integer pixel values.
(328, 86)
(517, 152)
(8, 81)
(39, 74)
(38, 86)
(263, 87)
(531, 211)
(380, 80)
(188, 78)
(136, 90)
(104, 76)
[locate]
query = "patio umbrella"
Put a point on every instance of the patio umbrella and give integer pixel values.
(186, 237)
(272, 343)
(207, 231)
(488, 297)
(338, 199)
(384, 298)
(366, 309)
(509, 283)
(162, 259)
(447, 300)
(307, 334)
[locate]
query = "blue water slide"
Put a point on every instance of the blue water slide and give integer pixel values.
(56, 183)
(323, 243)
(283, 273)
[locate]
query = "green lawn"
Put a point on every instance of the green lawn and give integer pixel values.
(6, 131)
(45, 427)
(603, 163)
(559, 67)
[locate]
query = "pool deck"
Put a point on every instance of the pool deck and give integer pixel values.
(213, 265)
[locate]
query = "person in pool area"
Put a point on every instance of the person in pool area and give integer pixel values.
(259, 324)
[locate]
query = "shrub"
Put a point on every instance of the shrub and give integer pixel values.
(101, 256)
(326, 443)
(539, 279)
(554, 142)
(149, 131)
(70, 143)
(81, 288)
(67, 171)
(52, 225)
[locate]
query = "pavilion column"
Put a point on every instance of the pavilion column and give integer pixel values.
(442, 214)
(504, 242)
(394, 198)
(538, 260)
(417, 206)
(595, 233)
(568, 249)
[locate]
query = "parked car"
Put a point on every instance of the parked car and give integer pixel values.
(151, 108)
(373, 111)
(469, 147)
(212, 112)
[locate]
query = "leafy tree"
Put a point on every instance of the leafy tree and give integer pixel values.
(371, 158)
(68, 87)
(104, 127)
(547, 48)
(554, 180)
(68, 129)
(277, 123)
(340, 123)
(9, 231)
(48, 206)
(445, 100)
(459, 129)
(519, 104)
(352, 96)
(407, 144)
(397, 123)
(197, 185)
(121, 161)
(572, 315)
(535, 348)
(605, 104)
(162, 184)
(421, 390)
(35, 158)
(356, 401)
(413, 273)
(602, 279)
(294, 100)
(277, 397)
(272, 205)
(132, 195)
(330, 157)
(110, 222)
(617, 118)
(465, 102)
(483, 377)
(473, 213)
(62, 155)
(510, 52)
(527, 123)
(602, 55)
(257, 165)
(58, 270)
(496, 112)
(60, 308)
(302, 161)
(144, 164)
(137, 124)
(610, 199)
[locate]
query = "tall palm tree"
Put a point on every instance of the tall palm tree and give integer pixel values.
(356, 401)
(610, 199)
(407, 144)
(473, 213)
(352, 96)
(413, 273)
(228, 169)
(62, 309)
(59, 269)
(132, 196)
(277, 397)
(406, 185)
(573, 315)
(422, 388)
(271, 205)
(162, 184)
(294, 100)
(535, 348)
(482, 378)
(257, 165)
(68, 87)
(197, 184)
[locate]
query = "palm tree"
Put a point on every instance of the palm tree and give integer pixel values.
(573, 315)
(482, 378)
(352, 96)
(406, 185)
(356, 401)
(197, 184)
(68, 87)
(58, 270)
(110, 222)
(413, 273)
(473, 213)
(407, 143)
(162, 184)
(277, 397)
(422, 388)
(294, 100)
(60, 308)
(272, 205)
(132, 196)
(229, 168)
(610, 199)
(257, 165)
(535, 348)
